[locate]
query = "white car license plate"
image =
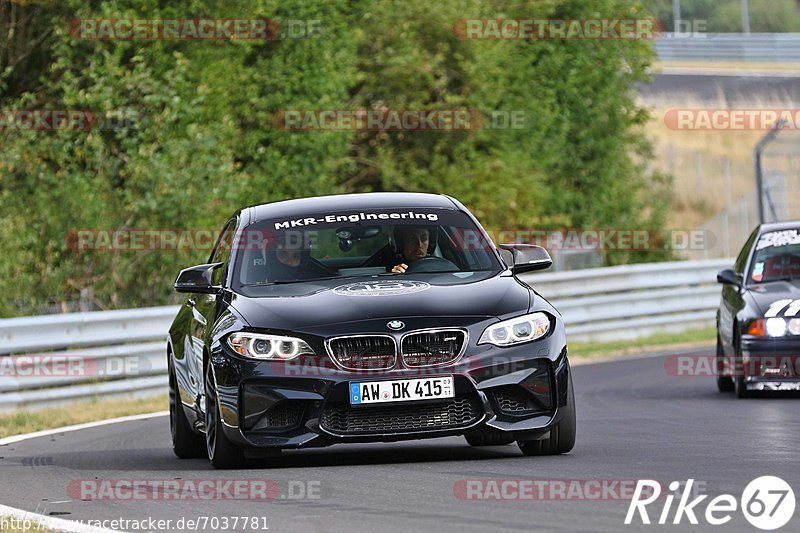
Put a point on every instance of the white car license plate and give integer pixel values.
(401, 390)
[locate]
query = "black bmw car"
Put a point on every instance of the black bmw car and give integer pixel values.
(364, 318)
(758, 321)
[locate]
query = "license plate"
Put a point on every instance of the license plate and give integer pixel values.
(402, 390)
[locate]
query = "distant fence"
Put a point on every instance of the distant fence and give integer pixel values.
(780, 162)
(122, 353)
(760, 47)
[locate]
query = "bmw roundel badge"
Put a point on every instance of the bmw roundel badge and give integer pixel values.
(395, 325)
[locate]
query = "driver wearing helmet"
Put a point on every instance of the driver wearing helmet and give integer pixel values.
(412, 243)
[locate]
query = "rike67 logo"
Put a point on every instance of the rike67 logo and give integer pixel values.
(767, 502)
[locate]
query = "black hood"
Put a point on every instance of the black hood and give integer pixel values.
(301, 306)
(764, 294)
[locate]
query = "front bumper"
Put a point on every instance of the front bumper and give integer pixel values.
(769, 364)
(519, 392)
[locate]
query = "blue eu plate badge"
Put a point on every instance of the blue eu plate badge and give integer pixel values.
(355, 394)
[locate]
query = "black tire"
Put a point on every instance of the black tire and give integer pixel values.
(186, 444)
(489, 440)
(724, 383)
(739, 388)
(221, 452)
(562, 435)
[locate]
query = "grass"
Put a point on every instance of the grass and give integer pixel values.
(77, 413)
(658, 342)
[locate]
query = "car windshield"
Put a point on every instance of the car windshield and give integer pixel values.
(366, 243)
(777, 257)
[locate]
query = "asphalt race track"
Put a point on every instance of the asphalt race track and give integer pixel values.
(635, 421)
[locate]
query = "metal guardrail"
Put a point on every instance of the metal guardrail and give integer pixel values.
(122, 353)
(84, 355)
(633, 301)
(760, 47)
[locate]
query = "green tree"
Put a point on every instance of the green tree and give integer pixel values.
(203, 142)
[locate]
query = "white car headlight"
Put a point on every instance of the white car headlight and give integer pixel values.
(517, 330)
(262, 346)
(776, 327)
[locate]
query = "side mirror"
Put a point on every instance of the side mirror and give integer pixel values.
(729, 277)
(197, 279)
(525, 257)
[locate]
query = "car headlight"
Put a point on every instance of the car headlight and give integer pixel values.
(262, 346)
(776, 327)
(517, 330)
(773, 327)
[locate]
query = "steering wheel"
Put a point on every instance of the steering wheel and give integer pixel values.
(431, 263)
